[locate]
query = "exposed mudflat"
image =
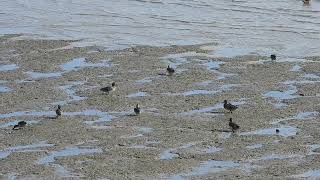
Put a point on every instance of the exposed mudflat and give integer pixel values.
(182, 131)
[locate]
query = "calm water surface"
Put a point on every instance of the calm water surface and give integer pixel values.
(285, 27)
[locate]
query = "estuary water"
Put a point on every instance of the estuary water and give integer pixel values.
(285, 27)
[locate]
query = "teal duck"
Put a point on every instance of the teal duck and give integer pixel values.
(233, 125)
(137, 109)
(228, 106)
(109, 88)
(170, 70)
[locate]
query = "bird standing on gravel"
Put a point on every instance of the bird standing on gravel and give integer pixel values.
(229, 106)
(170, 70)
(233, 125)
(273, 57)
(109, 88)
(137, 109)
(306, 2)
(58, 111)
(21, 124)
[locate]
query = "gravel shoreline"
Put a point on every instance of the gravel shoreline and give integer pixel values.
(182, 131)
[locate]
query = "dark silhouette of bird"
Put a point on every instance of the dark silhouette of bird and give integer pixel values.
(58, 111)
(233, 125)
(137, 109)
(228, 106)
(277, 131)
(306, 2)
(109, 88)
(170, 70)
(273, 57)
(21, 124)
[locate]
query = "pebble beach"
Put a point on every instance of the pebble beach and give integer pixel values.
(182, 131)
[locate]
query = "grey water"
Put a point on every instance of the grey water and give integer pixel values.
(282, 27)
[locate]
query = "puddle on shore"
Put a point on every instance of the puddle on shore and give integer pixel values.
(26, 148)
(144, 81)
(74, 65)
(172, 153)
(311, 76)
(314, 174)
(212, 65)
(254, 146)
(68, 152)
(80, 63)
(278, 157)
(70, 90)
(224, 135)
(230, 52)
(210, 150)
(64, 172)
(103, 116)
(275, 157)
(28, 113)
(284, 131)
(213, 166)
(296, 68)
(142, 132)
(216, 107)
(299, 116)
(314, 149)
(300, 82)
(221, 89)
(145, 130)
(138, 94)
(283, 95)
(203, 83)
(199, 92)
(4, 89)
(12, 123)
(39, 75)
(9, 67)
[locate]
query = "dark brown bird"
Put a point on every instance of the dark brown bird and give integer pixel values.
(109, 88)
(170, 70)
(58, 111)
(229, 106)
(233, 125)
(20, 125)
(137, 109)
(273, 57)
(306, 2)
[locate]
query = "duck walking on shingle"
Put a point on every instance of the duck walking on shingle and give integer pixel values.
(170, 70)
(233, 125)
(58, 111)
(228, 106)
(306, 2)
(137, 109)
(109, 88)
(21, 124)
